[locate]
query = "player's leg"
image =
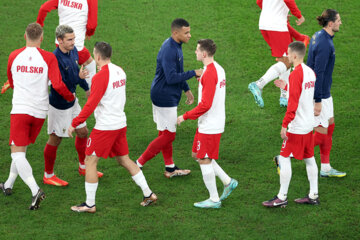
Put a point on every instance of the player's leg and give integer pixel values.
(89, 64)
(91, 185)
(298, 36)
(229, 183)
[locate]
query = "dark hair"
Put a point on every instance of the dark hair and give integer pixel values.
(179, 23)
(103, 49)
(328, 15)
(298, 47)
(207, 45)
(34, 31)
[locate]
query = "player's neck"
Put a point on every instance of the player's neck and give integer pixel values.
(33, 44)
(298, 62)
(329, 31)
(104, 62)
(208, 60)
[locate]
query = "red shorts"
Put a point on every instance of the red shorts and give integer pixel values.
(301, 146)
(278, 42)
(84, 55)
(109, 143)
(24, 129)
(206, 145)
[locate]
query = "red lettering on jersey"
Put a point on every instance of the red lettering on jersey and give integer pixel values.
(119, 83)
(223, 83)
(310, 84)
(68, 3)
(31, 69)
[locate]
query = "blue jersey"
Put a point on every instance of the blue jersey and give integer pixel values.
(170, 78)
(321, 58)
(69, 69)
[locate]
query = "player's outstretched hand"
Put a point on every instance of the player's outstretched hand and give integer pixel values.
(180, 119)
(317, 108)
(300, 20)
(280, 83)
(198, 72)
(83, 73)
(189, 97)
(70, 131)
(283, 134)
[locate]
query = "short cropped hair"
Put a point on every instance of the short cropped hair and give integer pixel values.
(207, 45)
(34, 31)
(298, 47)
(328, 15)
(104, 49)
(61, 30)
(179, 23)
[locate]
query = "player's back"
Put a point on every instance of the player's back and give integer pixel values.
(273, 16)
(304, 119)
(29, 71)
(109, 113)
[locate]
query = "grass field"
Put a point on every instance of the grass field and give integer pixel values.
(136, 30)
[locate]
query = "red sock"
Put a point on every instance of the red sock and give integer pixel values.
(49, 156)
(167, 152)
(157, 145)
(295, 34)
(80, 145)
(325, 146)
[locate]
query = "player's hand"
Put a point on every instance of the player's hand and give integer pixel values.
(189, 97)
(198, 72)
(283, 134)
(317, 108)
(87, 93)
(87, 37)
(180, 119)
(280, 83)
(5, 87)
(300, 20)
(70, 131)
(83, 73)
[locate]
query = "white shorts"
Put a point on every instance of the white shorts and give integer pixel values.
(327, 112)
(165, 118)
(60, 120)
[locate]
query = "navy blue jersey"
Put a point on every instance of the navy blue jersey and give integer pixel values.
(69, 69)
(170, 78)
(321, 58)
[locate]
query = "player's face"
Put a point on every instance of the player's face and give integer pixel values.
(183, 34)
(96, 57)
(199, 53)
(291, 56)
(68, 42)
(337, 23)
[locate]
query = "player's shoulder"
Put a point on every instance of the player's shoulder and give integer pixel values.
(48, 56)
(16, 52)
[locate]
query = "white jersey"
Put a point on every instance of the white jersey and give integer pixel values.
(300, 111)
(75, 14)
(274, 14)
(107, 99)
(29, 70)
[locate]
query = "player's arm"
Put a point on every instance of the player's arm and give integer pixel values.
(92, 17)
(83, 73)
(295, 89)
(10, 80)
(98, 88)
(169, 65)
(320, 63)
(209, 81)
(45, 9)
(295, 11)
(259, 3)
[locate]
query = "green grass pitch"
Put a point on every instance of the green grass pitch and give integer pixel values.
(136, 30)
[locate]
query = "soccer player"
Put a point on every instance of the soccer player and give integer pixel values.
(62, 112)
(108, 138)
(169, 82)
(81, 15)
(297, 128)
(274, 28)
(210, 113)
(321, 58)
(29, 70)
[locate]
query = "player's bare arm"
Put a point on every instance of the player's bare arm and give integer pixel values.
(180, 119)
(300, 20)
(283, 133)
(317, 108)
(189, 97)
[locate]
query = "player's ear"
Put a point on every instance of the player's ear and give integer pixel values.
(25, 36)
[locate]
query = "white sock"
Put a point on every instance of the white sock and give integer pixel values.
(325, 167)
(284, 76)
(91, 67)
(139, 165)
(273, 72)
(140, 180)
(285, 176)
(49, 175)
(170, 166)
(82, 166)
(25, 171)
(90, 189)
(312, 173)
(210, 181)
(219, 172)
(12, 176)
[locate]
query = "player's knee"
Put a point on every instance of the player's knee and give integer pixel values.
(54, 140)
(82, 132)
(193, 155)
